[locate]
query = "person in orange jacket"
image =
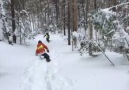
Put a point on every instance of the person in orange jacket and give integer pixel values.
(41, 50)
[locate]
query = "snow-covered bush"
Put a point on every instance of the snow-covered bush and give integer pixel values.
(103, 21)
(112, 26)
(3, 24)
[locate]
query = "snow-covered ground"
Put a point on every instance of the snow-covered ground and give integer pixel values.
(20, 69)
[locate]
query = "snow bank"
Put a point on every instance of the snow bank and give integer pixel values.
(44, 76)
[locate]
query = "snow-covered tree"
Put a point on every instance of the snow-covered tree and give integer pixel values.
(103, 22)
(3, 24)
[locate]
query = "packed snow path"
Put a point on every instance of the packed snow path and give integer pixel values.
(20, 69)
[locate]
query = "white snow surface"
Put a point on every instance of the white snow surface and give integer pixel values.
(20, 69)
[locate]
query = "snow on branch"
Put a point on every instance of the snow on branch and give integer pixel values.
(118, 5)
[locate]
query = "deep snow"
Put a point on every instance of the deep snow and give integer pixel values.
(20, 69)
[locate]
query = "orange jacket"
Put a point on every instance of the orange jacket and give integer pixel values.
(41, 48)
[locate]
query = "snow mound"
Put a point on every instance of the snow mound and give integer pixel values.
(44, 76)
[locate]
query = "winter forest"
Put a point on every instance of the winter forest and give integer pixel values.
(88, 46)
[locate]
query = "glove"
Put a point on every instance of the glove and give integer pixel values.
(48, 51)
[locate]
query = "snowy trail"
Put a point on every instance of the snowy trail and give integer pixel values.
(20, 69)
(42, 75)
(81, 72)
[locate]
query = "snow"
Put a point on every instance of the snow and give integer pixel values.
(20, 69)
(107, 12)
(75, 34)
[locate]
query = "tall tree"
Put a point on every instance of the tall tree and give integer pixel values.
(57, 10)
(89, 7)
(114, 2)
(75, 15)
(69, 16)
(64, 14)
(13, 15)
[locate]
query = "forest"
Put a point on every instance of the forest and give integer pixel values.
(64, 44)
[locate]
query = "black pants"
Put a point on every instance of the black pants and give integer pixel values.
(10, 42)
(47, 57)
(47, 40)
(14, 39)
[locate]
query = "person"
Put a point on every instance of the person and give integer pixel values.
(10, 39)
(47, 37)
(41, 50)
(14, 38)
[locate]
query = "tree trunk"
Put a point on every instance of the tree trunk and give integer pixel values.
(13, 16)
(64, 17)
(91, 34)
(57, 11)
(75, 15)
(69, 43)
(114, 2)
(48, 6)
(90, 27)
